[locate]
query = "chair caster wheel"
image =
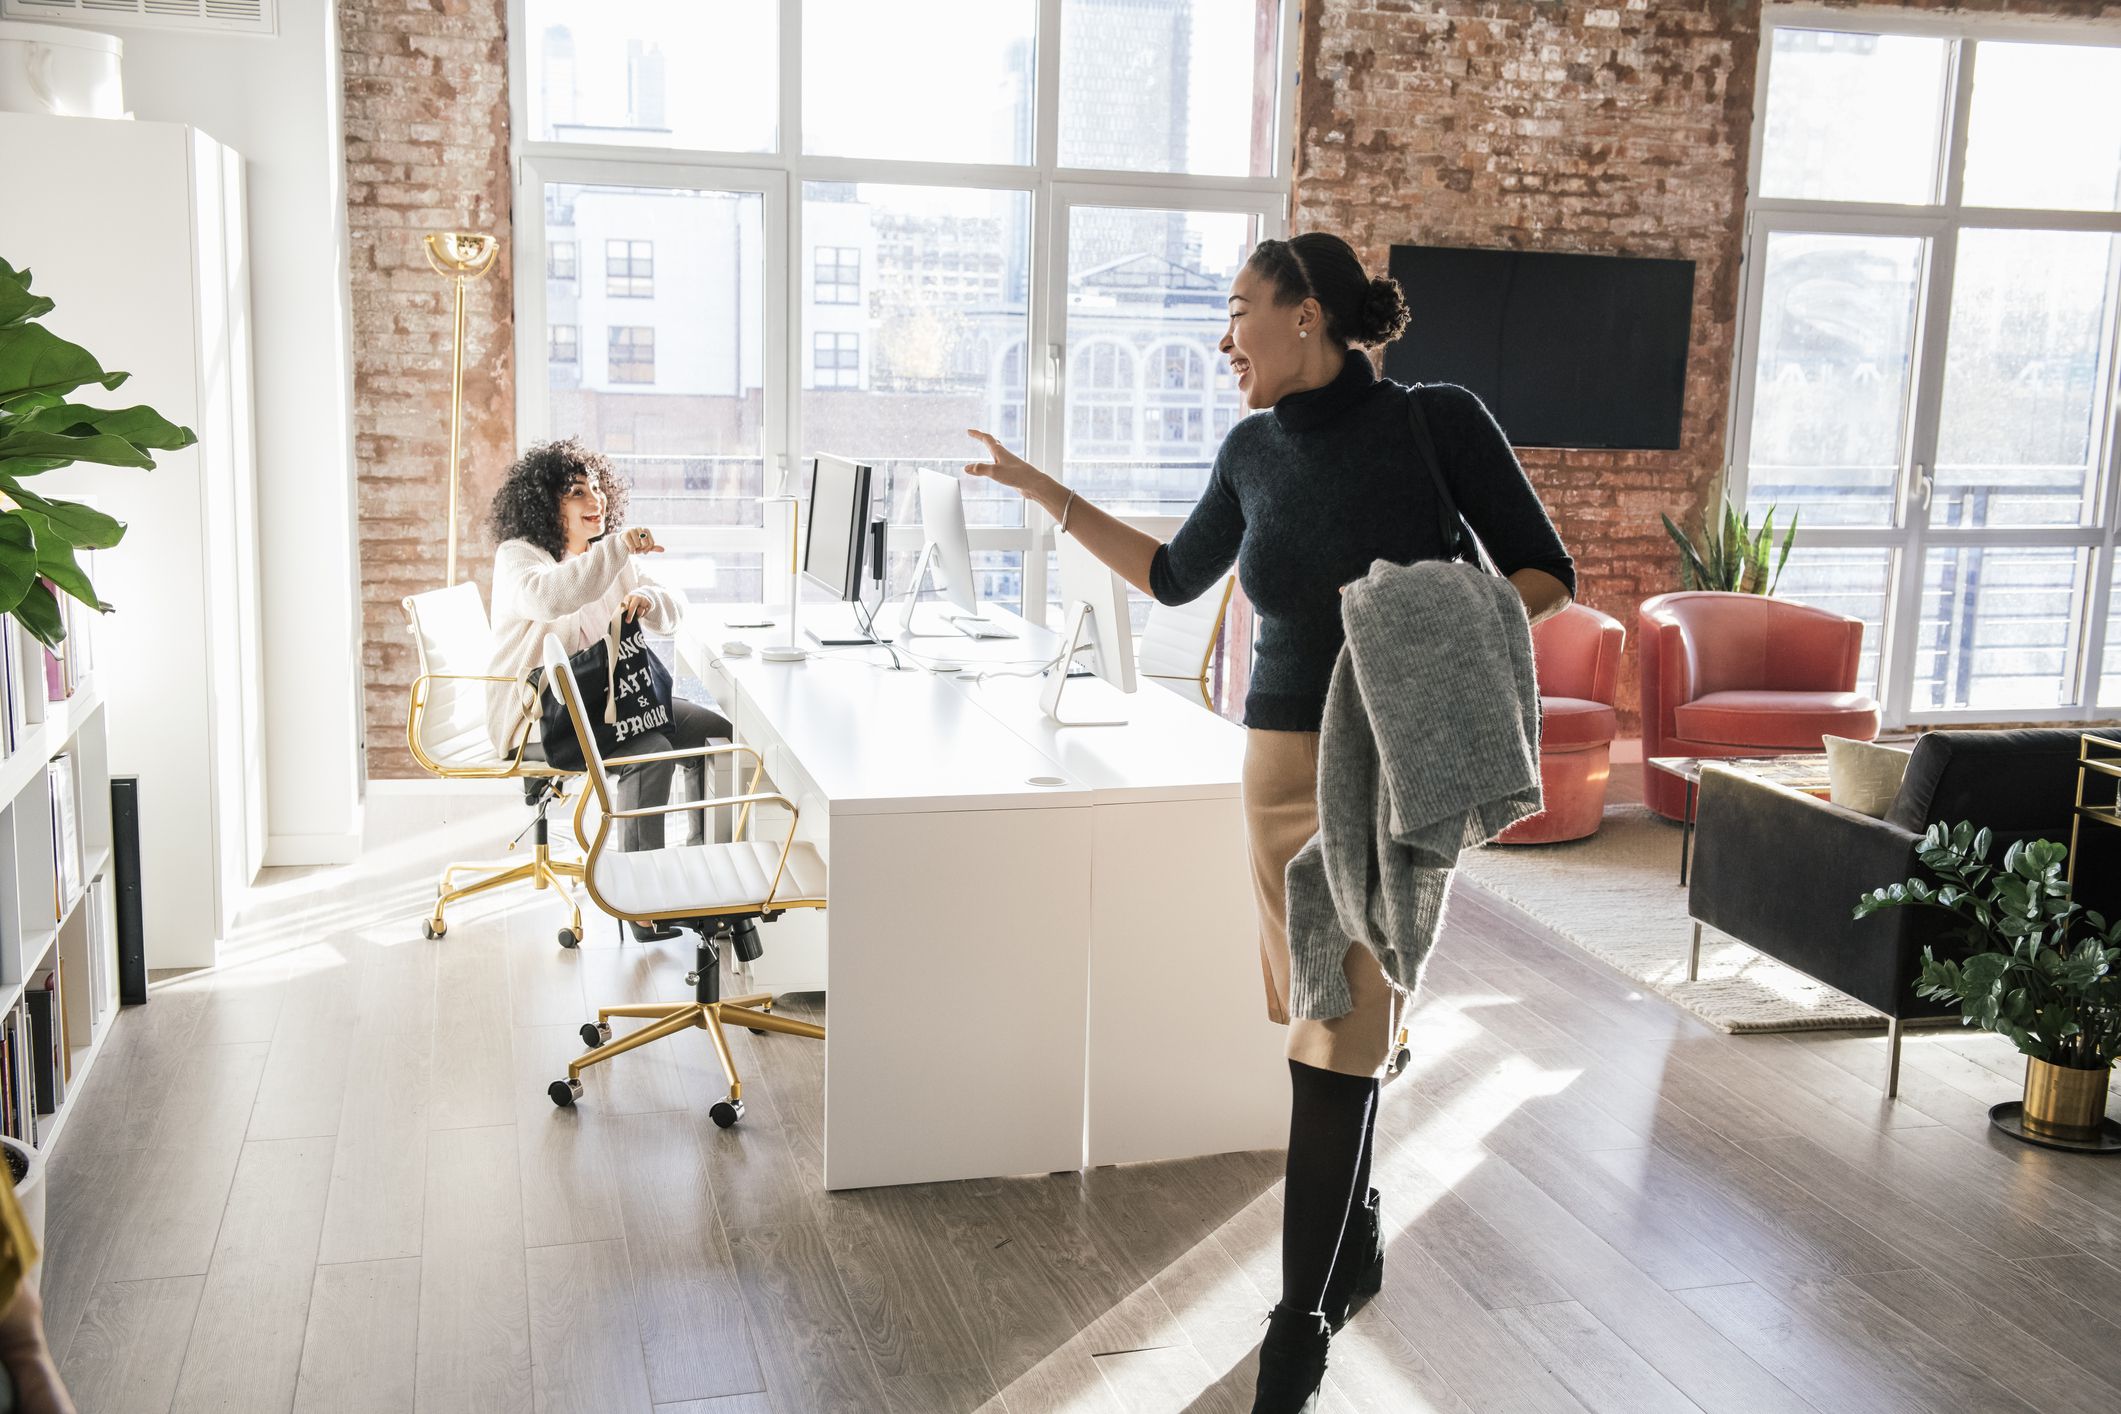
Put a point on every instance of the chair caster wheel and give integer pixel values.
(569, 938)
(431, 929)
(1401, 1059)
(595, 1033)
(756, 1031)
(726, 1112)
(565, 1092)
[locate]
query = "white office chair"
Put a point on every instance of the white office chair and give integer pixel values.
(1178, 643)
(445, 728)
(719, 891)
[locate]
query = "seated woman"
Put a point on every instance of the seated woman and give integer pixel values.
(565, 567)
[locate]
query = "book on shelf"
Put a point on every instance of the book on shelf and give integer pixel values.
(69, 864)
(26, 664)
(18, 1110)
(47, 1045)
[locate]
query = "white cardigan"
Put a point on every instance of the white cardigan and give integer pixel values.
(534, 594)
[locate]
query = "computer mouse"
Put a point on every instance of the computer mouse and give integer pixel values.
(736, 648)
(946, 667)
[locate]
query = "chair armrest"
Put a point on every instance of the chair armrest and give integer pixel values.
(1782, 871)
(712, 803)
(685, 754)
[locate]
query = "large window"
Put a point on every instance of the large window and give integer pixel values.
(1017, 215)
(1928, 378)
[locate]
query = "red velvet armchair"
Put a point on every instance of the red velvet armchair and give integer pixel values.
(1743, 675)
(1576, 654)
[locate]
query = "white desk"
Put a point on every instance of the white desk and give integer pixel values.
(1023, 978)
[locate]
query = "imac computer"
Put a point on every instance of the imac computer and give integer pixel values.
(1094, 615)
(946, 559)
(836, 545)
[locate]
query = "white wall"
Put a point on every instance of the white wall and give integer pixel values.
(277, 101)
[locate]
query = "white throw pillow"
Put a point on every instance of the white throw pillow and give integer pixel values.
(1863, 776)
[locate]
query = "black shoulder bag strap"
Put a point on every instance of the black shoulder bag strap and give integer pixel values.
(1462, 543)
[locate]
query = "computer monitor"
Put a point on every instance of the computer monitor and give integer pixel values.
(1093, 613)
(943, 530)
(838, 526)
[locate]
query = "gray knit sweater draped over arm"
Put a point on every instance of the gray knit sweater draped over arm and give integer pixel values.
(1430, 745)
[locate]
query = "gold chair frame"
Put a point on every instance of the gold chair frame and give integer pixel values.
(1207, 659)
(709, 1010)
(543, 870)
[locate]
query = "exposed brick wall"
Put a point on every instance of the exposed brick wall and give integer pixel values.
(426, 150)
(1618, 129)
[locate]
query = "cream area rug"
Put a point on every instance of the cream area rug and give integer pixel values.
(1616, 895)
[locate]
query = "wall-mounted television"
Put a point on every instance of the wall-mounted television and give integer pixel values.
(1566, 350)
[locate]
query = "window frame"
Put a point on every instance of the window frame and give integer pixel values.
(1940, 222)
(840, 265)
(637, 285)
(573, 341)
(779, 173)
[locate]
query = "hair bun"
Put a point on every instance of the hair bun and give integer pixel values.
(1384, 313)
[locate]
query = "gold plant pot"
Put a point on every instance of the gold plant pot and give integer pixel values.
(2063, 1103)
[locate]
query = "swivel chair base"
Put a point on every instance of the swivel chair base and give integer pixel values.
(708, 1011)
(541, 870)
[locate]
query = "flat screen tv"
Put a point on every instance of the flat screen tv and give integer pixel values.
(1566, 350)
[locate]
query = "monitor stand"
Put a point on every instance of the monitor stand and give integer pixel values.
(1072, 642)
(839, 626)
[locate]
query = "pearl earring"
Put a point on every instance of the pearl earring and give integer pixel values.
(1303, 333)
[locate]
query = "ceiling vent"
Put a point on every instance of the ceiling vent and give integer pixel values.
(230, 16)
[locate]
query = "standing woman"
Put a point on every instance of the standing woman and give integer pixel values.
(1320, 481)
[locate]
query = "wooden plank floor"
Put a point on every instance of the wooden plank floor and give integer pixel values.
(325, 1178)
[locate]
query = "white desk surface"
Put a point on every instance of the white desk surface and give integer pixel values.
(871, 740)
(878, 740)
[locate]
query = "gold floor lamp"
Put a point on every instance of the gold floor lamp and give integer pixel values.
(463, 256)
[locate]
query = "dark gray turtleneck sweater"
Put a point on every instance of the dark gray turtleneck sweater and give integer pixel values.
(1305, 495)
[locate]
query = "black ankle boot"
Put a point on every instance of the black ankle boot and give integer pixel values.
(1292, 1362)
(1359, 1273)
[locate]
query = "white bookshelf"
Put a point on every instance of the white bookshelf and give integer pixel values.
(43, 929)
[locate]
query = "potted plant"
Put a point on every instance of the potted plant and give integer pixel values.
(41, 430)
(1732, 556)
(2038, 968)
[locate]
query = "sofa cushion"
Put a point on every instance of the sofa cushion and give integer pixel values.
(1574, 723)
(1777, 721)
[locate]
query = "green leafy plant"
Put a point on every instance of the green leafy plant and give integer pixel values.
(1732, 555)
(40, 431)
(2039, 968)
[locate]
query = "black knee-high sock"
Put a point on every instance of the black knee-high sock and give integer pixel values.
(1369, 1147)
(1328, 1115)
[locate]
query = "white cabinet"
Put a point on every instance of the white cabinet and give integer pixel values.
(137, 230)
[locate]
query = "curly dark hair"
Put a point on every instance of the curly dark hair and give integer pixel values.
(527, 507)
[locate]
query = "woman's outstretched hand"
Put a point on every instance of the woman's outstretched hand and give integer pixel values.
(1006, 467)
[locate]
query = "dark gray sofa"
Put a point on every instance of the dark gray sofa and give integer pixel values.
(1780, 870)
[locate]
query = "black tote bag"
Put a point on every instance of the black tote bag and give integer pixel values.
(625, 690)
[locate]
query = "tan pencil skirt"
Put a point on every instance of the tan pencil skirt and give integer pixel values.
(1281, 814)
